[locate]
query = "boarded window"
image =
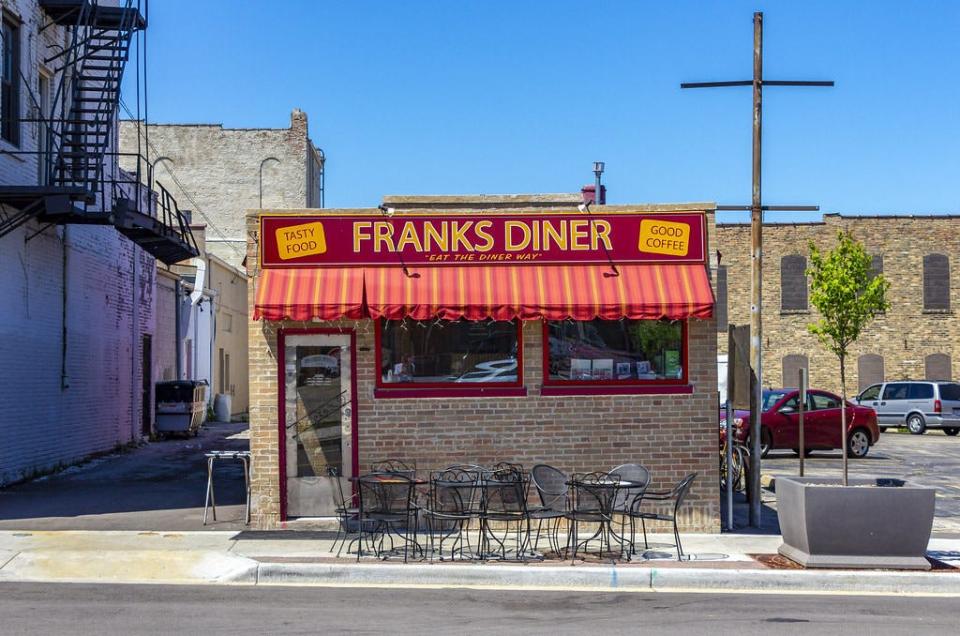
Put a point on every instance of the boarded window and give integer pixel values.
(869, 370)
(721, 308)
(791, 369)
(793, 283)
(937, 367)
(936, 282)
(876, 266)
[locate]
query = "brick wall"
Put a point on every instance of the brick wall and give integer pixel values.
(44, 422)
(904, 336)
(671, 434)
(42, 425)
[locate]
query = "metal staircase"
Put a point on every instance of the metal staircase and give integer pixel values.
(80, 177)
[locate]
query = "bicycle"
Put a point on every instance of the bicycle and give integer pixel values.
(740, 460)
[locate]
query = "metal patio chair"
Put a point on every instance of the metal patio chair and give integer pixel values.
(386, 510)
(504, 502)
(624, 497)
(347, 510)
(675, 496)
(395, 466)
(590, 502)
(449, 508)
(552, 489)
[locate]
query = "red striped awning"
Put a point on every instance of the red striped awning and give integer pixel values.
(528, 292)
(501, 292)
(305, 294)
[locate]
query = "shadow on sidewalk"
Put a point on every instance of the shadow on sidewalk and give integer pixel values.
(157, 486)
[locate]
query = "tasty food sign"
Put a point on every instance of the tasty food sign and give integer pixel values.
(417, 239)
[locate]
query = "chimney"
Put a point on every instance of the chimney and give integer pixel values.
(589, 194)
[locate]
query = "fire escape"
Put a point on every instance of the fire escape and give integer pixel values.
(80, 178)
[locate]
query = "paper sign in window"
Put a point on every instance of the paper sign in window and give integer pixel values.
(306, 239)
(664, 237)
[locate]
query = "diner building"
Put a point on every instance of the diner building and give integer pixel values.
(483, 329)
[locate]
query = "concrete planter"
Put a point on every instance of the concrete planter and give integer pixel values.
(872, 523)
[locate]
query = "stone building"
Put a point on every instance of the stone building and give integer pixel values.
(917, 338)
(572, 363)
(219, 173)
(79, 239)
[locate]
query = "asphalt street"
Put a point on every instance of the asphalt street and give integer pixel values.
(140, 609)
(157, 486)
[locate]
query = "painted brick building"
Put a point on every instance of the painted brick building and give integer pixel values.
(669, 426)
(79, 293)
(917, 338)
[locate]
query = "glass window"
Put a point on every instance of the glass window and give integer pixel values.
(448, 352)
(820, 401)
(950, 391)
(921, 391)
(625, 351)
(871, 393)
(896, 391)
(770, 398)
(10, 83)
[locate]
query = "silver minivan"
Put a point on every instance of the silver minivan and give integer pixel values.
(916, 405)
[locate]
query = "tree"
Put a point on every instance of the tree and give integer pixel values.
(848, 296)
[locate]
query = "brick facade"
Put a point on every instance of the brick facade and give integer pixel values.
(671, 434)
(908, 337)
(76, 304)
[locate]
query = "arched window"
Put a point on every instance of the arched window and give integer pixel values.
(793, 283)
(937, 367)
(936, 282)
(869, 370)
(791, 369)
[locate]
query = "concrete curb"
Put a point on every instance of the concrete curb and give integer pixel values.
(608, 578)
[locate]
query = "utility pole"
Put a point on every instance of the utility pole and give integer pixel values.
(756, 256)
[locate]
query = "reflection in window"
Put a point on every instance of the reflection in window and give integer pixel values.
(615, 350)
(445, 351)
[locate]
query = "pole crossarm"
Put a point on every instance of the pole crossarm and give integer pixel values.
(762, 82)
(770, 208)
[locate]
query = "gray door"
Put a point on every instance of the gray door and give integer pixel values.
(893, 404)
(319, 421)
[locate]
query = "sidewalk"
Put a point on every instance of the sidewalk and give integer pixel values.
(717, 563)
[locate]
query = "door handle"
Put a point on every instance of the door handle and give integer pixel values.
(883, 404)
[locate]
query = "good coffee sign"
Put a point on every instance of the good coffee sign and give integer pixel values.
(434, 239)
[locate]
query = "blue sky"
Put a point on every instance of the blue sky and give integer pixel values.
(449, 97)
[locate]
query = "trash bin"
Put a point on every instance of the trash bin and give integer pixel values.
(221, 407)
(181, 406)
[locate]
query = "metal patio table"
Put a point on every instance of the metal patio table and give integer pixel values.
(607, 506)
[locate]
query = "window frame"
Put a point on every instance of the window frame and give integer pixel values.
(806, 283)
(14, 24)
(549, 383)
(444, 389)
(931, 305)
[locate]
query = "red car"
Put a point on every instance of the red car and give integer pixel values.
(779, 426)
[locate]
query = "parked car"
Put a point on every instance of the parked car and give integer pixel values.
(916, 405)
(779, 424)
(496, 371)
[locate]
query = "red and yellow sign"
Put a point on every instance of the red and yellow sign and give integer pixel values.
(418, 239)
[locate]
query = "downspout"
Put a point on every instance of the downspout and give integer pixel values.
(64, 379)
(178, 344)
(134, 347)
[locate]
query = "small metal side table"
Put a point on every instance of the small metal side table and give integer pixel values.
(212, 457)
